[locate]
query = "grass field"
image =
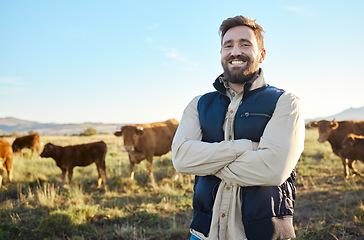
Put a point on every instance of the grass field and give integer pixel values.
(37, 206)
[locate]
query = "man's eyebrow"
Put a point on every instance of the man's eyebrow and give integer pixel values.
(226, 42)
(240, 40)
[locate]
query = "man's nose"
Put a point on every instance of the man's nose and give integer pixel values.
(235, 51)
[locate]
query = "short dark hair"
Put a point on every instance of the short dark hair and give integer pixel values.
(243, 21)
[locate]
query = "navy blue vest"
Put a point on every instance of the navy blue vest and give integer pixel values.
(267, 210)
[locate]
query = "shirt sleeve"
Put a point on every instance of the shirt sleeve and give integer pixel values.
(192, 156)
(278, 151)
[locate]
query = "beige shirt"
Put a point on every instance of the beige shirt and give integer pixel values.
(239, 162)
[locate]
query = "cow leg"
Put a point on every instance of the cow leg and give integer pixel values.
(99, 179)
(346, 169)
(132, 166)
(1, 176)
(351, 165)
(70, 174)
(9, 169)
(103, 175)
(101, 170)
(31, 157)
(38, 149)
(64, 171)
(21, 153)
(150, 171)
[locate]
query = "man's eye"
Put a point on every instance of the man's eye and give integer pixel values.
(228, 46)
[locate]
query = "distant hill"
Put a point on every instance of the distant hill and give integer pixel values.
(348, 114)
(8, 125)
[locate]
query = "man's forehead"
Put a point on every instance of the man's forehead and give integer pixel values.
(239, 33)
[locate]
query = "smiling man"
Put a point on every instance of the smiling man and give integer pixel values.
(242, 143)
(241, 55)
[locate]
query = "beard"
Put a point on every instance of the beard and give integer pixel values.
(240, 74)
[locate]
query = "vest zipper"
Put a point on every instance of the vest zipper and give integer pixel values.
(248, 114)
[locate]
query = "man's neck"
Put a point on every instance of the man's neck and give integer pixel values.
(238, 87)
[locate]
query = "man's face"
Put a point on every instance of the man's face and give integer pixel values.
(240, 56)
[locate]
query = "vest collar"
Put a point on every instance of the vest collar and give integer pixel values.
(249, 88)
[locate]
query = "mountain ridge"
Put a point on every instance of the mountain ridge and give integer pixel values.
(9, 125)
(355, 114)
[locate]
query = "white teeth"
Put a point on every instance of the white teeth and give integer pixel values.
(237, 62)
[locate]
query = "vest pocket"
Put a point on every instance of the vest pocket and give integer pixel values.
(251, 125)
(251, 114)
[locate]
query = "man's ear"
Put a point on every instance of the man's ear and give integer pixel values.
(262, 55)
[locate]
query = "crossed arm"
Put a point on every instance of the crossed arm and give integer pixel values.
(239, 161)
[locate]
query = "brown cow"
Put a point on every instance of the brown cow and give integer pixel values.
(6, 160)
(353, 149)
(81, 155)
(30, 141)
(335, 132)
(143, 141)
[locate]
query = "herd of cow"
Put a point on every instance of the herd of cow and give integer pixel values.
(346, 139)
(143, 141)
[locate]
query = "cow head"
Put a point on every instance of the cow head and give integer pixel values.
(48, 150)
(325, 128)
(131, 136)
(16, 148)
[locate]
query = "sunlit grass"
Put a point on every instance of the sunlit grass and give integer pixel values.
(327, 204)
(37, 206)
(46, 195)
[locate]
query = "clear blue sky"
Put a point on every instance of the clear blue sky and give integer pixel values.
(121, 61)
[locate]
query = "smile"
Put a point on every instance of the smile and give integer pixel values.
(237, 62)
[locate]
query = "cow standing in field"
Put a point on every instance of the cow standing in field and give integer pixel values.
(353, 149)
(335, 132)
(143, 141)
(6, 160)
(80, 155)
(30, 141)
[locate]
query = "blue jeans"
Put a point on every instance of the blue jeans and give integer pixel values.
(193, 237)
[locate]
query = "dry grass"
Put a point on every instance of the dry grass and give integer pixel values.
(36, 206)
(327, 205)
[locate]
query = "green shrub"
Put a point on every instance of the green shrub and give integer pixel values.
(56, 225)
(89, 132)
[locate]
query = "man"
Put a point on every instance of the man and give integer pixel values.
(242, 142)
